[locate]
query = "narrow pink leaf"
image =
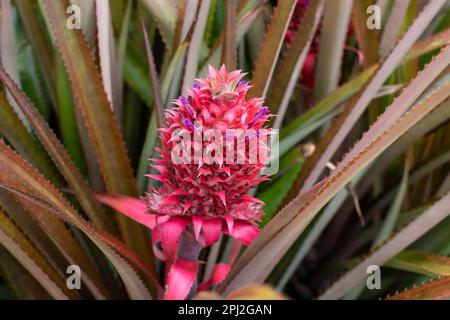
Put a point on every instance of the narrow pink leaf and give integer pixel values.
(133, 208)
(219, 274)
(197, 222)
(180, 279)
(211, 230)
(245, 232)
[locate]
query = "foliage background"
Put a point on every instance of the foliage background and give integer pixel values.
(94, 105)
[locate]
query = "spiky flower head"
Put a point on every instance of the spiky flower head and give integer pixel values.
(212, 192)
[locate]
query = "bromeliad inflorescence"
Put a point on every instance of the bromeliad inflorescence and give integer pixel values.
(213, 149)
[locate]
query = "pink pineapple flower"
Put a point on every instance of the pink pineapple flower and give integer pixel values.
(199, 196)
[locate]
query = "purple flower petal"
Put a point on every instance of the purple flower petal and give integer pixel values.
(184, 100)
(261, 113)
(188, 107)
(188, 123)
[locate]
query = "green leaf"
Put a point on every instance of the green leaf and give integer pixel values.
(56, 229)
(40, 197)
(30, 14)
(23, 250)
(394, 211)
(156, 119)
(195, 45)
(81, 189)
(13, 129)
(242, 27)
(26, 222)
(31, 82)
(278, 236)
(67, 118)
(273, 195)
(8, 49)
(367, 38)
(427, 45)
(170, 76)
(289, 71)
(344, 92)
(309, 237)
(393, 27)
(328, 104)
(229, 47)
(99, 119)
(122, 46)
(333, 33)
(136, 75)
(341, 128)
(165, 14)
(268, 55)
(270, 231)
(436, 289)
(421, 262)
(107, 56)
(399, 241)
(23, 285)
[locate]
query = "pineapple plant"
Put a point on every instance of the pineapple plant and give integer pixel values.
(322, 158)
